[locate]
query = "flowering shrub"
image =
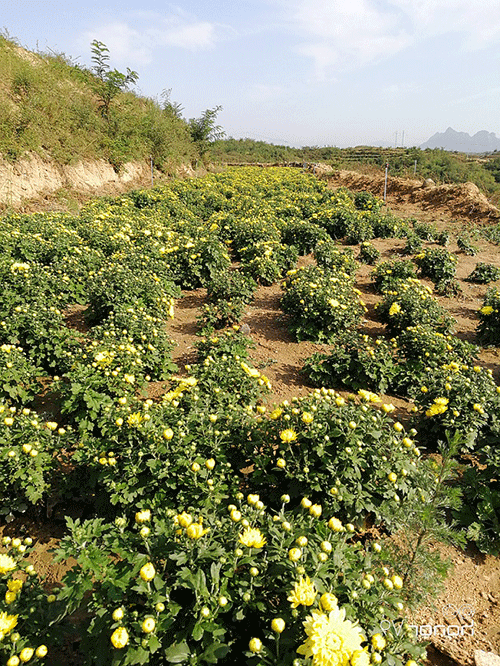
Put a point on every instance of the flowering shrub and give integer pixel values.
(328, 255)
(457, 397)
(321, 302)
(414, 243)
(116, 285)
(410, 303)
(303, 235)
(133, 327)
(465, 244)
(421, 350)
(228, 295)
(268, 261)
(484, 273)
(488, 329)
(26, 611)
(437, 264)
(368, 254)
(185, 583)
(355, 361)
(39, 329)
(386, 274)
(351, 455)
(18, 376)
(425, 230)
(367, 201)
(27, 449)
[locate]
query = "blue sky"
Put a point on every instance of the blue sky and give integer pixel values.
(300, 72)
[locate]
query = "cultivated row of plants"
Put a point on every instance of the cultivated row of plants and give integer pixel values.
(207, 511)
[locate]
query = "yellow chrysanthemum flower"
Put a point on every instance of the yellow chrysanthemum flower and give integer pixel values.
(7, 623)
(331, 639)
(119, 638)
(252, 538)
(304, 593)
(288, 435)
(195, 531)
(6, 563)
(14, 585)
(394, 309)
(486, 310)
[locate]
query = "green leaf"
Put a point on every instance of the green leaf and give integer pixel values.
(177, 653)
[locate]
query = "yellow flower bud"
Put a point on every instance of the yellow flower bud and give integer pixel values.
(119, 638)
(278, 625)
(147, 572)
(148, 625)
(255, 645)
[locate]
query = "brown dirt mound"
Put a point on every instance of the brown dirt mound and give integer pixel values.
(464, 201)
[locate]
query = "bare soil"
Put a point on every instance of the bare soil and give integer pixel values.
(472, 592)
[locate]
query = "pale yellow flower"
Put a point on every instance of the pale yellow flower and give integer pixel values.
(195, 531)
(6, 563)
(7, 623)
(119, 638)
(331, 639)
(288, 435)
(15, 585)
(252, 538)
(304, 593)
(147, 572)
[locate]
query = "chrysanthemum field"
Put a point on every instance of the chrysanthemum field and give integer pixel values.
(216, 522)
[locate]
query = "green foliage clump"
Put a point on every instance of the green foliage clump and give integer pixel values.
(303, 234)
(32, 453)
(368, 253)
(484, 273)
(457, 397)
(466, 245)
(321, 302)
(414, 244)
(330, 256)
(364, 459)
(27, 611)
(438, 265)
(228, 295)
(387, 274)
(354, 361)
(488, 329)
(480, 511)
(192, 605)
(19, 381)
(410, 303)
(268, 261)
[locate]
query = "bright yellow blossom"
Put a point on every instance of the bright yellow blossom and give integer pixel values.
(147, 572)
(119, 638)
(304, 593)
(6, 563)
(331, 639)
(252, 537)
(288, 435)
(7, 622)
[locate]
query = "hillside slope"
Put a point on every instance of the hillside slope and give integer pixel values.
(51, 106)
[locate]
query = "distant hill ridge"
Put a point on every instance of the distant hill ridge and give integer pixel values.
(481, 142)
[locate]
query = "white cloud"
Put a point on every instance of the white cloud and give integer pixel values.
(198, 35)
(125, 44)
(478, 21)
(341, 35)
(346, 34)
(151, 31)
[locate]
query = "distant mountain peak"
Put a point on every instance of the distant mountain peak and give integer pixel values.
(481, 142)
